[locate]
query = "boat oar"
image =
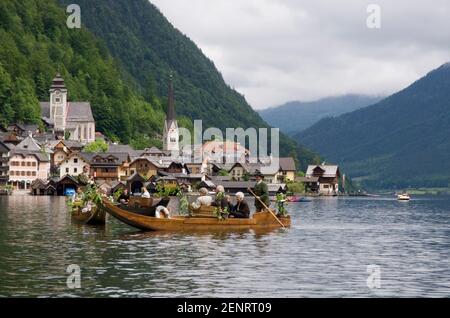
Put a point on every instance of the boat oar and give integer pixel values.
(267, 208)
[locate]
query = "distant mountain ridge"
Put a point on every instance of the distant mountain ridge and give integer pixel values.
(402, 141)
(296, 116)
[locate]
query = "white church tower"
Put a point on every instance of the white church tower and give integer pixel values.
(58, 103)
(171, 134)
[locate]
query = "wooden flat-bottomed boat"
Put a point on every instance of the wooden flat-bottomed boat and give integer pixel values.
(97, 216)
(263, 220)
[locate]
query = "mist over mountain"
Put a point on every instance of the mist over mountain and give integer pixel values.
(296, 116)
(402, 141)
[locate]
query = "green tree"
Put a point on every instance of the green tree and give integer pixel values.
(223, 173)
(97, 146)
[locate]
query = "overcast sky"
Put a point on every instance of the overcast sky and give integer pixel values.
(274, 51)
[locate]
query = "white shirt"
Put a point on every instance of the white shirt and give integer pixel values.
(202, 201)
(146, 195)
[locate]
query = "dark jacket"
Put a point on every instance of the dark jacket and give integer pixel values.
(262, 191)
(241, 210)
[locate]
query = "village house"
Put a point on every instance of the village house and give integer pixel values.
(27, 163)
(215, 169)
(74, 165)
(241, 171)
(109, 166)
(287, 170)
(322, 179)
(196, 168)
(144, 167)
(60, 152)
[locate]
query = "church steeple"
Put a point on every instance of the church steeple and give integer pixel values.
(171, 133)
(58, 103)
(171, 115)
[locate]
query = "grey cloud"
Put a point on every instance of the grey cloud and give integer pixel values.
(273, 51)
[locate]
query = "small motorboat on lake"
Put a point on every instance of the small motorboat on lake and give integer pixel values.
(295, 199)
(203, 221)
(403, 197)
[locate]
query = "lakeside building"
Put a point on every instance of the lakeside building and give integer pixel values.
(74, 165)
(322, 179)
(27, 162)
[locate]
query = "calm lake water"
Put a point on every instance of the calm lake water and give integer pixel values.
(324, 254)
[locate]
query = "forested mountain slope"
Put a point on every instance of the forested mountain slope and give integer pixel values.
(402, 141)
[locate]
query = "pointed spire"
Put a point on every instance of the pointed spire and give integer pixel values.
(171, 115)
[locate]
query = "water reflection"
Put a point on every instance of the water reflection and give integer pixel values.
(324, 253)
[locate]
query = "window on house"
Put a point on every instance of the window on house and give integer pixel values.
(75, 160)
(33, 164)
(23, 164)
(75, 170)
(28, 173)
(34, 173)
(67, 170)
(22, 173)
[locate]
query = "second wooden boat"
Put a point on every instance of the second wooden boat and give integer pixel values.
(97, 216)
(263, 220)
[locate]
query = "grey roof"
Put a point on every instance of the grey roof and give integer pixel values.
(4, 148)
(209, 184)
(238, 184)
(223, 166)
(307, 179)
(153, 150)
(330, 171)
(287, 164)
(122, 157)
(44, 138)
(73, 144)
(115, 184)
(220, 178)
(77, 112)
(184, 175)
(136, 177)
(121, 149)
(248, 167)
(29, 144)
(42, 157)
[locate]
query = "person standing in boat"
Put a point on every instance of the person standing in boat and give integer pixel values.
(261, 191)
